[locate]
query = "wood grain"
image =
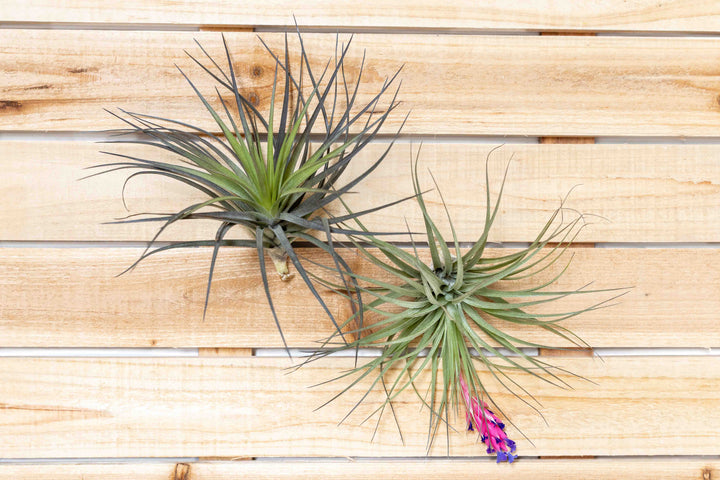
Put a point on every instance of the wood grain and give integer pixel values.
(173, 407)
(172, 301)
(673, 15)
(225, 403)
(72, 298)
(648, 193)
(454, 84)
(420, 469)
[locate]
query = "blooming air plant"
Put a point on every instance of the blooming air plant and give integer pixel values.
(273, 174)
(449, 317)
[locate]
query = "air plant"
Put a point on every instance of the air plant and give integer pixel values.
(449, 316)
(273, 179)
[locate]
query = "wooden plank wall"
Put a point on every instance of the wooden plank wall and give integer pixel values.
(621, 101)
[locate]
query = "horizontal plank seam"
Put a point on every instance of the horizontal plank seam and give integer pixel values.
(142, 352)
(382, 30)
(9, 461)
(427, 138)
(141, 244)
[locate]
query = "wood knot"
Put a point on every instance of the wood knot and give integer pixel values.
(254, 99)
(10, 105)
(182, 471)
(707, 473)
(257, 71)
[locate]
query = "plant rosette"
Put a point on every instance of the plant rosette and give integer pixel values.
(273, 175)
(449, 317)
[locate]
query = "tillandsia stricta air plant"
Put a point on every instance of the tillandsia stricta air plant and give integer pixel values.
(271, 174)
(450, 318)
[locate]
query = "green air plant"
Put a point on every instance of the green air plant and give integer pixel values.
(272, 175)
(449, 317)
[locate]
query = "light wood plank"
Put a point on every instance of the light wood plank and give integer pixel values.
(71, 297)
(673, 15)
(649, 193)
(251, 407)
(509, 85)
(421, 469)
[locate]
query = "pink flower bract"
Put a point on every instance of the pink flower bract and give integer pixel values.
(492, 430)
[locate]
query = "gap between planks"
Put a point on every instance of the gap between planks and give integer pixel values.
(228, 28)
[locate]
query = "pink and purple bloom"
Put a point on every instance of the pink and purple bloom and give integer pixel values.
(492, 431)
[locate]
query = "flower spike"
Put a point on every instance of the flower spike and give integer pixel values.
(492, 431)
